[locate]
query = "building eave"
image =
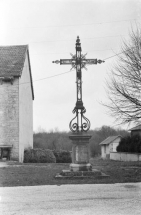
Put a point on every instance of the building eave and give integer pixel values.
(110, 141)
(30, 73)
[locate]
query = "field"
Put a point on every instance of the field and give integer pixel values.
(16, 174)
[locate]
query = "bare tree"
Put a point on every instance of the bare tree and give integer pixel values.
(124, 88)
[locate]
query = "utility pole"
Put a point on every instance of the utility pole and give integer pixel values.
(79, 125)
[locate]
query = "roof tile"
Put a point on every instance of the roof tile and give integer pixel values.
(109, 139)
(12, 60)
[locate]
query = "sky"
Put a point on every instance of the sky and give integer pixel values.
(50, 28)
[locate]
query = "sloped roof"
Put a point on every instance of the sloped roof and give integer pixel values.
(12, 60)
(138, 127)
(109, 139)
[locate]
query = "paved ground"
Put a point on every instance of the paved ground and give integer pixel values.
(108, 199)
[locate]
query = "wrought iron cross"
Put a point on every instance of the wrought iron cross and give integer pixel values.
(78, 61)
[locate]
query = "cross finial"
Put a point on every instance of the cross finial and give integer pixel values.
(78, 40)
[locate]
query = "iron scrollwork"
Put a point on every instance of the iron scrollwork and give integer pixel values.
(85, 125)
(82, 124)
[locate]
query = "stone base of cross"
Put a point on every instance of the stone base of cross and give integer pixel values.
(80, 153)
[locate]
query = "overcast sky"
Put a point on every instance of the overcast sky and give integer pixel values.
(50, 28)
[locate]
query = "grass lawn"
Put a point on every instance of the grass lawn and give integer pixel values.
(43, 174)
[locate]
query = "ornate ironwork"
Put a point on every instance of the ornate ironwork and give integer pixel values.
(84, 122)
(78, 61)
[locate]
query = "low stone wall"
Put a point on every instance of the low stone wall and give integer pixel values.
(123, 156)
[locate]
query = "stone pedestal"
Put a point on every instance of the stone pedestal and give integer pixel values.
(80, 152)
(80, 166)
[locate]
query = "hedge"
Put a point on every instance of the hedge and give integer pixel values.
(39, 156)
(130, 144)
(62, 156)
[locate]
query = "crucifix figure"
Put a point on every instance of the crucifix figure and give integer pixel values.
(78, 62)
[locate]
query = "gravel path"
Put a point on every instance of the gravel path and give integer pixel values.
(95, 199)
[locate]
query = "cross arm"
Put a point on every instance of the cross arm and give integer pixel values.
(64, 61)
(92, 61)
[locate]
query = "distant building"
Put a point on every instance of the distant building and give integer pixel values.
(16, 101)
(136, 130)
(109, 145)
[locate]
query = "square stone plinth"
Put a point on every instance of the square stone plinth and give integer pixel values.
(80, 167)
(80, 152)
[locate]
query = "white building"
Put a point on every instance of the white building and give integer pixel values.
(16, 101)
(109, 145)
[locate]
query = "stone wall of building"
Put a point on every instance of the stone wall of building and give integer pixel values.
(25, 111)
(9, 115)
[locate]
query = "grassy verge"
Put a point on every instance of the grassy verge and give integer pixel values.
(43, 174)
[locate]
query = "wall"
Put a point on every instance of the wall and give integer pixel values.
(121, 156)
(115, 144)
(109, 148)
(103, 155)
(25, 111)
(104, 151)
(9, 116)
(115, 147)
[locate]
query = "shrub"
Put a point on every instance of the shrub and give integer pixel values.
(39, 156)
(62, 156)
(130, 144)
